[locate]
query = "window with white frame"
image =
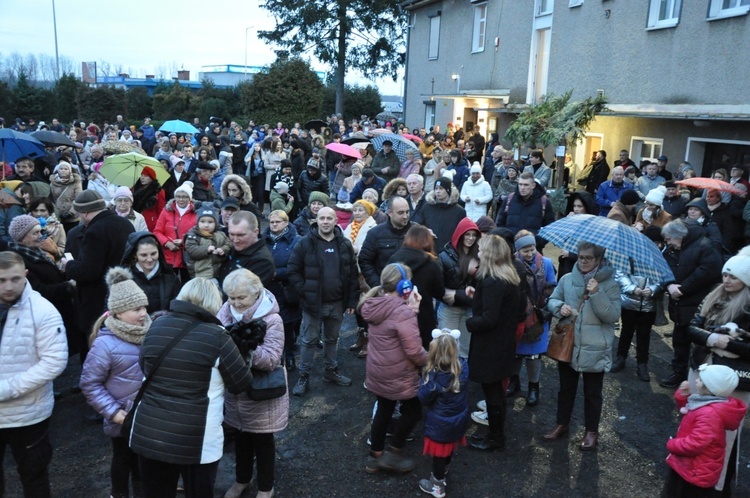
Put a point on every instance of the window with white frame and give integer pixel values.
(645, 148)
(720, 9)
(429, 115)
(544, 7)
(480, 28)
(434, 41)
(664, 13)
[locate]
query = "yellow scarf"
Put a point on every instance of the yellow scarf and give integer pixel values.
(355, 226)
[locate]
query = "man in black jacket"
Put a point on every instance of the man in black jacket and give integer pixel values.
(102, 248)
(248, 250)
(696, 265)
(323, 271)
(383, 240)
(312, 180)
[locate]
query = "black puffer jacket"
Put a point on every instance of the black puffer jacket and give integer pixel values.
(696, 266)
(160, 289)
(428, 278)
(302, 223)
(441, 217)
(256, 258)
(308, 184)
(305, 271)
(530, 214)
(381, 243)
(448, 260)
(179, 418)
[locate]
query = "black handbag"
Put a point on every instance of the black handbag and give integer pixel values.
(127, 424)
(267, 385)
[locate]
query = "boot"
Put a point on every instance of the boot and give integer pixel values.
(589, 441)
(556, 433)
(363, 351)
(618, 364)
(514, 386)
(495, 437)
(391, 461)
(360, 340)
(642, 372)
(291, 363)
(236, 490)
(532, 399)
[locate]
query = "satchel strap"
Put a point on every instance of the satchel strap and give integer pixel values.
(158, 361)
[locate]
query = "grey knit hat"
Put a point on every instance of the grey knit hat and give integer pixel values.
(88, 201)
(22, 225)
(124, 293)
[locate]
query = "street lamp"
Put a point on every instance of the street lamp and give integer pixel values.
(57, 57)
(457, 78)
(246, 30)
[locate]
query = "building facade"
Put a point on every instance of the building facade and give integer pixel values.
(674, 71)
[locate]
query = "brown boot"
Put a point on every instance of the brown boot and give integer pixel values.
(556, 433)
(589, 441)
(361, 340)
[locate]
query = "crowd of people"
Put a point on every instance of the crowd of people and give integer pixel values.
(192, 294)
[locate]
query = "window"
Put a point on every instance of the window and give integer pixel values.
(664, 13)
(720, 9)
(432, 50)
(480, 28)
(429, 115)
(544, 7)
(645, 148)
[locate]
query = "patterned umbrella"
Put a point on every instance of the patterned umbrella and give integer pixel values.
(400, 144)
(627, 249)
(713, 184)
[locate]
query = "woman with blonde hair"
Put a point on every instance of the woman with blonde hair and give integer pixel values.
(255, 421)
(177, 425)
(493, 333)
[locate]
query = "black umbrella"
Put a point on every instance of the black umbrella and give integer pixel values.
(53, 138)
(355, 140)
(386, 116)
(315, 124)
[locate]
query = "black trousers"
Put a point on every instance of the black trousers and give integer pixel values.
(593, 384)
(677, 487)
(159, 479)
(638, 323)
(249, 446)
(124, 465)
(681, 315)
(32, 452)
(411, 414)
(494, 395)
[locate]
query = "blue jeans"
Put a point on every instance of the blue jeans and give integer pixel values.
(330, 315)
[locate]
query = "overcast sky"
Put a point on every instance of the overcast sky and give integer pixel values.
(150, 37)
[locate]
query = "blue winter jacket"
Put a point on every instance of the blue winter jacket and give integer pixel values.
(447, 412)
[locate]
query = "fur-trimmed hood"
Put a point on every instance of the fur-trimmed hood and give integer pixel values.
(247, 195)
(453, 199)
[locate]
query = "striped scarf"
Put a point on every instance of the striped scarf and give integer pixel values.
(355, 226)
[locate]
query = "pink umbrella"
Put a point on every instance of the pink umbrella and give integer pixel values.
(344, 150)
(412, 137)
(712, 184)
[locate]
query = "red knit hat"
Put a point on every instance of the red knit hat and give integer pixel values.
(149, 172)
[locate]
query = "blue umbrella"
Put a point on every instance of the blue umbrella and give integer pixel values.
(400, 144)
(627, 249)
(14, 145)
(177, 126)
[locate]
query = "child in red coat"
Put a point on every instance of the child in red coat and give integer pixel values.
(696, 453)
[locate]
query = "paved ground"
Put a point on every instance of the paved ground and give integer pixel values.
(323, 452)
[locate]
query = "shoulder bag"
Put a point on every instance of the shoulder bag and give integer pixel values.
(562, 338)
(267, 385)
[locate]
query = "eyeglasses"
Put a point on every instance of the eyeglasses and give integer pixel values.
(586, 259)
(182, 197)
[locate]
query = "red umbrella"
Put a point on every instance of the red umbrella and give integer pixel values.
(344, 150)
(412, 137)
(712, 184)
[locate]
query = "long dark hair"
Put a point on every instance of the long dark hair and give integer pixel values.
(420, 237)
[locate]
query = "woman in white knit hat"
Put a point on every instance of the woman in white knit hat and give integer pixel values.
(719, 332)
